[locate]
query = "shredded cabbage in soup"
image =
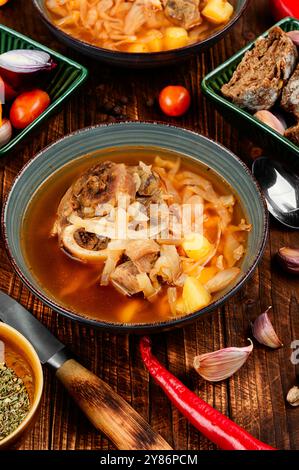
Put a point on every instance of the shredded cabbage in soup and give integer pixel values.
(190, 256)
(140, 25)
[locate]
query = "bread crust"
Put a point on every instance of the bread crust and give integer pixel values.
(260, 77)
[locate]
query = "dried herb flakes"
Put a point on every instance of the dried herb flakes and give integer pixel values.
(14, 401)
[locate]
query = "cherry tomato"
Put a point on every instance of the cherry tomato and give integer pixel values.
(27, 107)
(174, 100)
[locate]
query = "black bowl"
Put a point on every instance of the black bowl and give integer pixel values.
(135, 60)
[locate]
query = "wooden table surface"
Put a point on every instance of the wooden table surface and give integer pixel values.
(255, 396)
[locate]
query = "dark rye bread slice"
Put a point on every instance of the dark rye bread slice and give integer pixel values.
(292, 133)
(290, 94)
(264, 70)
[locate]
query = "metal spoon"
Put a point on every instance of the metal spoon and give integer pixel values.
(281, 190)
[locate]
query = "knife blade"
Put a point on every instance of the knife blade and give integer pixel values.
(15, 315)
(106, 410)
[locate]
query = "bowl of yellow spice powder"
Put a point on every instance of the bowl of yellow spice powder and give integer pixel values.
(21, 385)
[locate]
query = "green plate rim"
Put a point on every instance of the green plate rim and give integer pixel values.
(75, 84)
(208, 90)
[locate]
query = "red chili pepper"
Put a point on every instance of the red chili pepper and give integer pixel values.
(283, 8)
(210, 422)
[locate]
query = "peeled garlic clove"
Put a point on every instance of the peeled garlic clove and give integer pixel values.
(294, 35)
(293, 396)
(221, 364)
(288, 259)
(264, 332)
(271, 120)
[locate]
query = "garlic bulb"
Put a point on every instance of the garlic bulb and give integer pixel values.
(5, 132)
(294, 35)
(293, 396)
(221, 364)
(288, 259)
(263, 331)
(277, 123)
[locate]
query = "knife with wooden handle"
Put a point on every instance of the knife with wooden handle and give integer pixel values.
(104, 408)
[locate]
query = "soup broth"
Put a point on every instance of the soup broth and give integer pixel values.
(140, 25)
(15, 361)
(16, 389)
(77, 285)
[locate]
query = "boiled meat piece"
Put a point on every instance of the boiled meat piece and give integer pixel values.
(92, 195)
(90, 241)
(149, 181)
(184, 13)
(99, 185)
(124, 278)
(143, 254)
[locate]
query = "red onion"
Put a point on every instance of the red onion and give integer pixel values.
(19, 68)
(26, 61)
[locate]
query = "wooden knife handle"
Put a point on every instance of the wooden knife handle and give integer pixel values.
(107, 411)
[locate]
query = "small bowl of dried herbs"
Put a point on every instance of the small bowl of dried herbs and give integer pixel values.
(21, 386)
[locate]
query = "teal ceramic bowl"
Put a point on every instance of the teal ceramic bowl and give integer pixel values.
(142, 135)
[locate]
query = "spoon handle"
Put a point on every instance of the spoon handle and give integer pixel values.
(107, 411)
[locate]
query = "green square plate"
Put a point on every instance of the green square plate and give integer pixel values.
(67, 76)
(211, 86)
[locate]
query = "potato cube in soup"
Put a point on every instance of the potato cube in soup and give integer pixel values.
(218, 11)
(195, 296)
(175, 37)
(180, 307)
(137, 47)
(153, 40)
(197, 246)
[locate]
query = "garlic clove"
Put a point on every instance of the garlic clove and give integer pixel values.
(271, 120)
(288, 259)
(294, 35)
(264, 333)
(293, 396)
(221, 364)
(5, 132)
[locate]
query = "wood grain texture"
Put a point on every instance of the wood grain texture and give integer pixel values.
(107, 410)
(255, 396)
